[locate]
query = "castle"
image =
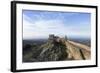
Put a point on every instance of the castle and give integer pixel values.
(53, 38)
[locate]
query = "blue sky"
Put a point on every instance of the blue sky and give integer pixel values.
(39, 24)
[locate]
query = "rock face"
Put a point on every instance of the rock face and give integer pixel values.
(57, 49)
(53, 50)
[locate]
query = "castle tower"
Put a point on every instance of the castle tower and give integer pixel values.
(51, 36)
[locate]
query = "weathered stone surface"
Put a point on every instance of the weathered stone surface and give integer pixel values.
(58, 49)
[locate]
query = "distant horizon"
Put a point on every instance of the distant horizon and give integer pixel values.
(39, 24)
(60, 37)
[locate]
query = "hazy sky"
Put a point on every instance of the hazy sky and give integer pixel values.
(39, 24)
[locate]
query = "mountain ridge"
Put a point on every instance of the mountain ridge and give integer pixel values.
(59, 49)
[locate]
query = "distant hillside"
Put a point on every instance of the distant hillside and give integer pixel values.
(56, 49)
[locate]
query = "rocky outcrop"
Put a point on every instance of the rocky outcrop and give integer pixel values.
(59, 49)
(53, 51)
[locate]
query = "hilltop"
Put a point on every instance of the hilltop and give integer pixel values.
(56, 49)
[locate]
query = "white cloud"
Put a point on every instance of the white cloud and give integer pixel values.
(42, 28)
